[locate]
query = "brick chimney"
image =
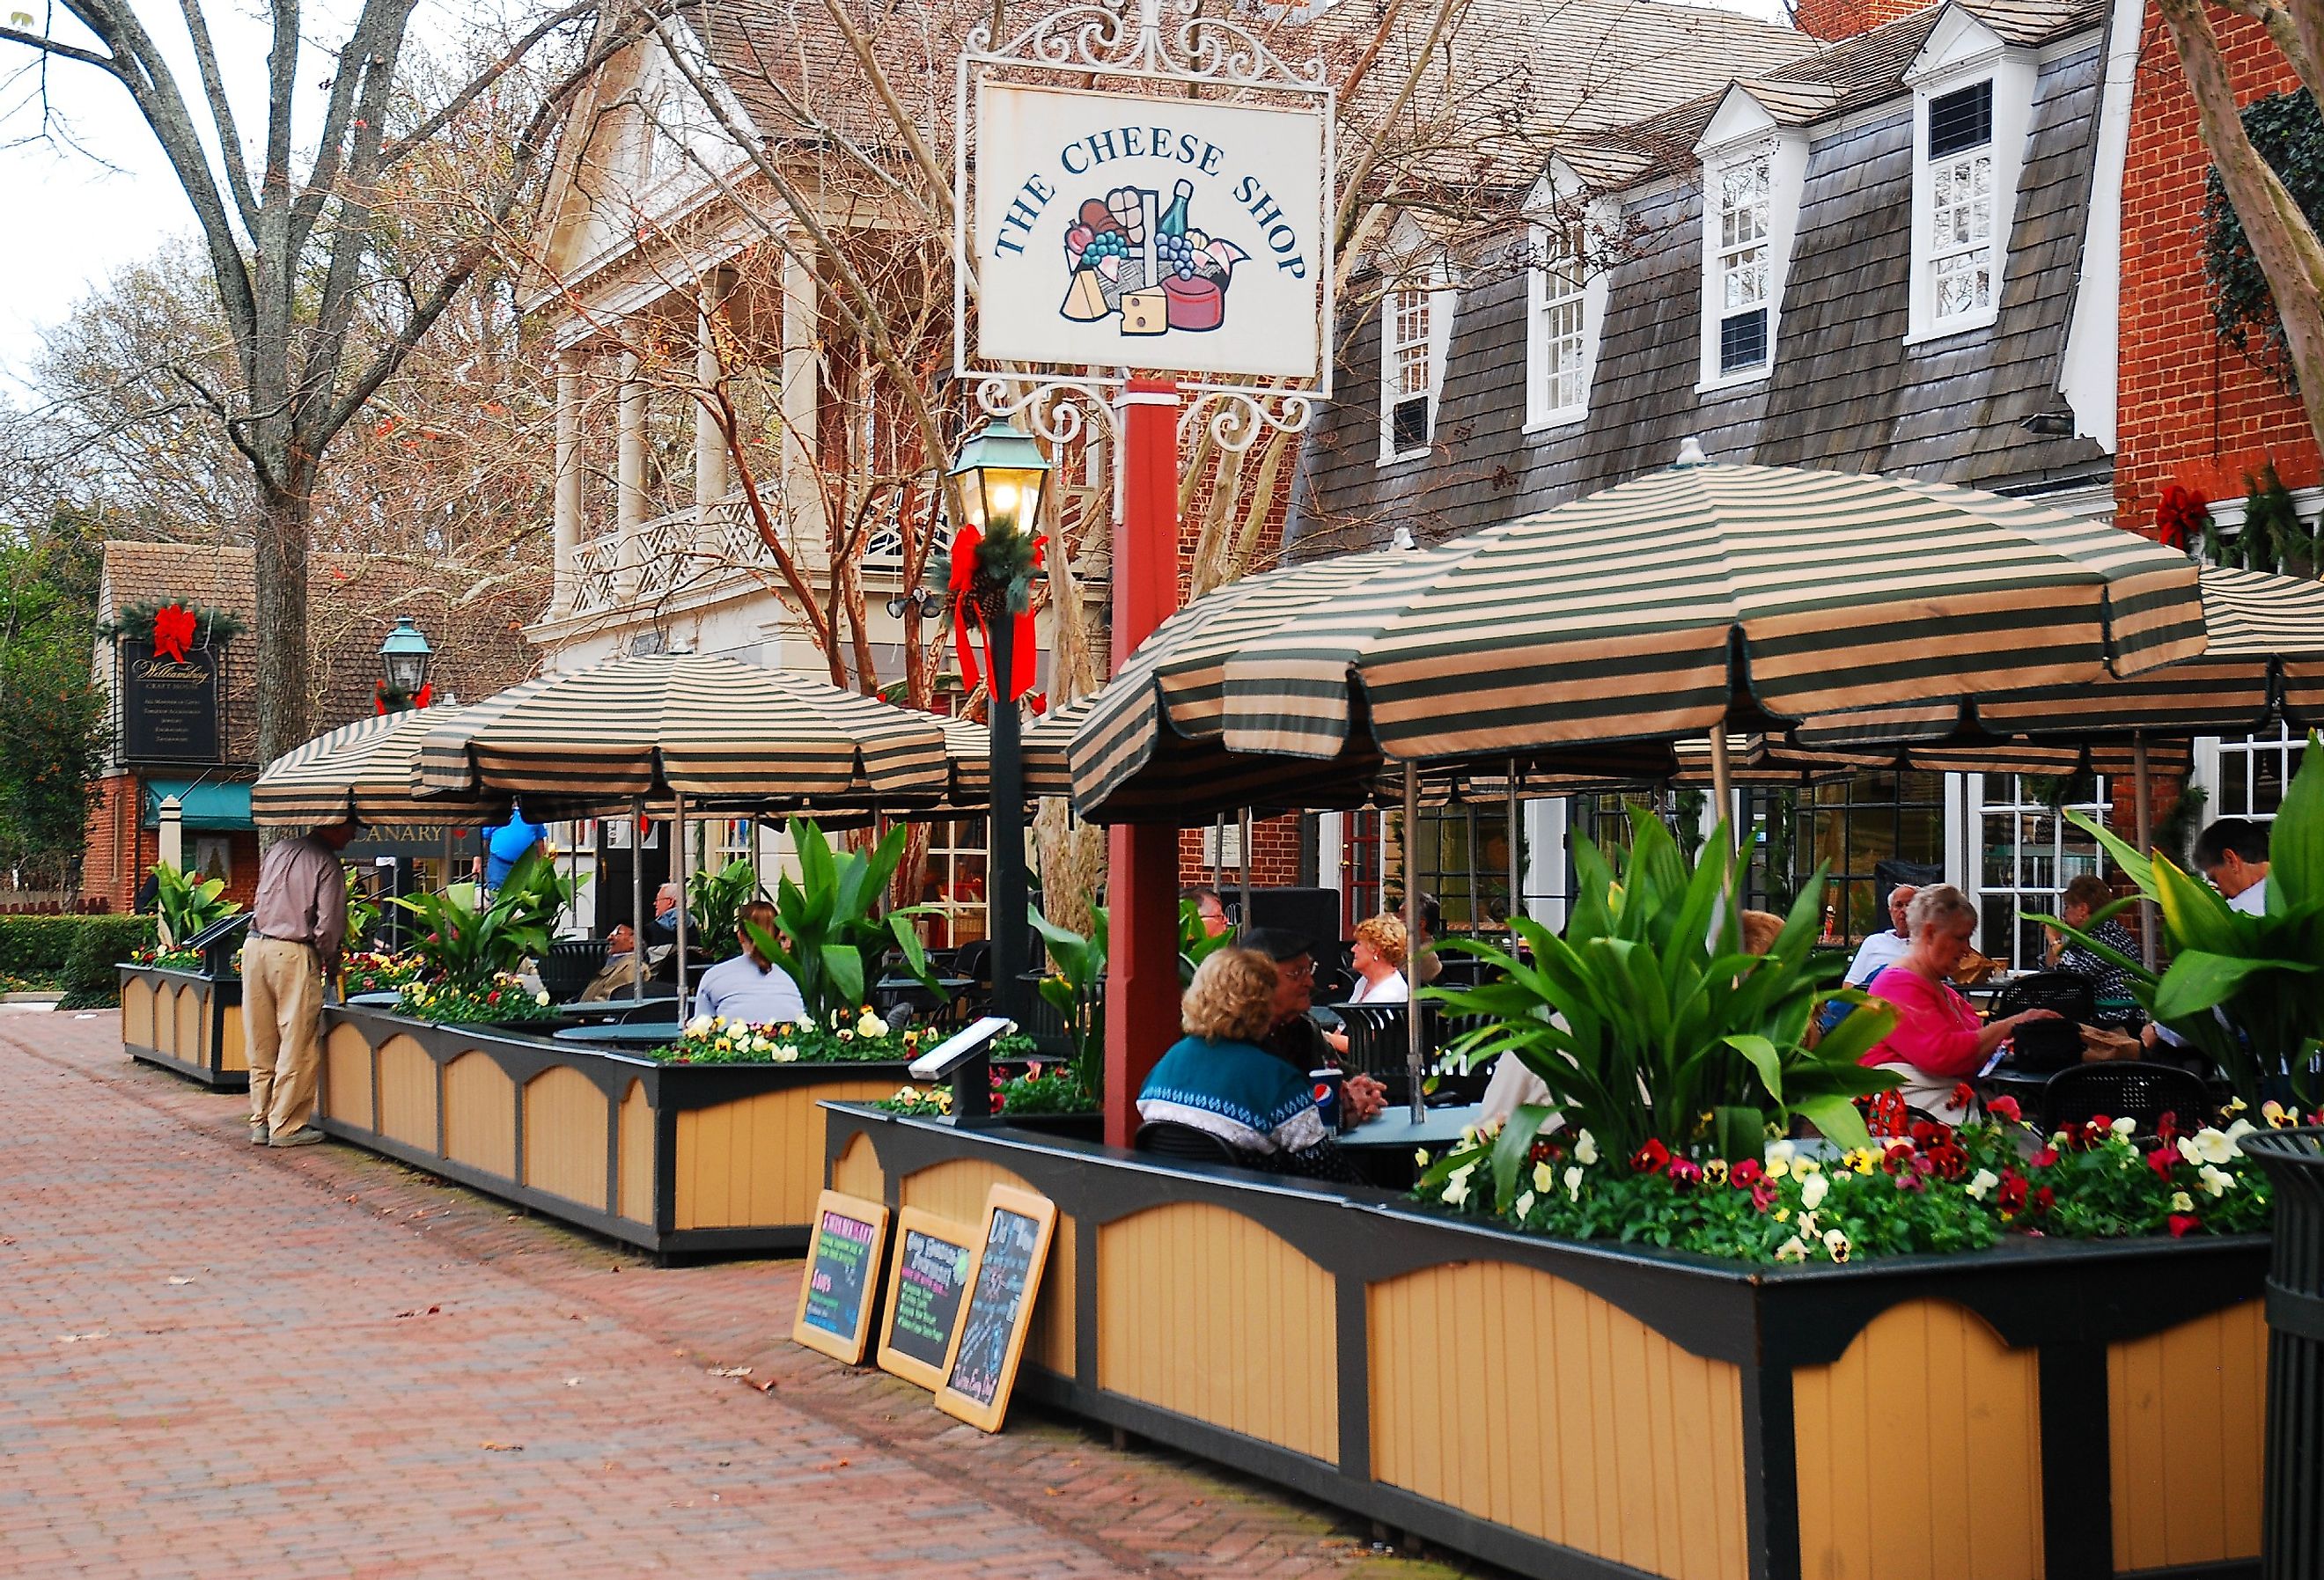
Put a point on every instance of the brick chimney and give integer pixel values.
(1833, 20)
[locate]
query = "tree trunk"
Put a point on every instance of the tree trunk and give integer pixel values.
(2282, 240)
(279, 628)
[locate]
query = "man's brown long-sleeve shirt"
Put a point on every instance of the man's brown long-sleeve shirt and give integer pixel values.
(302, 895)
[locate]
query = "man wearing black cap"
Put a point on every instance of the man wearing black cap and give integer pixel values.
(1295, 1037)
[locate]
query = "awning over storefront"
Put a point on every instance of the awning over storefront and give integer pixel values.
(212, 805)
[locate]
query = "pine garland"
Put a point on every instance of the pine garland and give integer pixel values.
(212, 627)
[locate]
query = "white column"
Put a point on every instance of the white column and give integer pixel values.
(802, 500)
(568, 481)
(1544, 878)
(710, 475)
(171, 818)
(630, 475)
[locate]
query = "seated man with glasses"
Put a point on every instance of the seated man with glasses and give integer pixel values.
(1292, 1035)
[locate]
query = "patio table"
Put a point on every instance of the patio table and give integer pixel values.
(597, 1009)
(632, 1034)
(1382, 1147)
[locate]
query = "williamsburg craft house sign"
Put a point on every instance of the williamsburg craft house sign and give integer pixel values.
(1164, 234)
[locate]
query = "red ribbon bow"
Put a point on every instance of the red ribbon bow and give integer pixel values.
(962, 581)
(173, 630)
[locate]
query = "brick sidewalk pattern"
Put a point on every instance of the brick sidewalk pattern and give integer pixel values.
(219, 1360)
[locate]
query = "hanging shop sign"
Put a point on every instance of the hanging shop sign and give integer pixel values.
(169, 702)
(1166, 233)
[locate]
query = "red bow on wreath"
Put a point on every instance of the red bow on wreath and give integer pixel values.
(173, 630)
(968, 613)
(2180, 517)
(420, 698)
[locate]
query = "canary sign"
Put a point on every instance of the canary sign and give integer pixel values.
(1161, 234)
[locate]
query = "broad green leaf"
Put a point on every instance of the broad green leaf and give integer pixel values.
(843, 964)
(1838, 1118)
(2295, 847)
(1764, 1060)
(2199, 981)
(1512, 1147)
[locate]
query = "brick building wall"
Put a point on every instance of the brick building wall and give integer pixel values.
(119, 852)
(1833, 20)
(2191, 411)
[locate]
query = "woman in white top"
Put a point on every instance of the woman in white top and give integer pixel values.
(1379, 961)
(749, 987)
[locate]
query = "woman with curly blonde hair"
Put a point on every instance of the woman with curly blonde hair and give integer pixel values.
(1217, 1078)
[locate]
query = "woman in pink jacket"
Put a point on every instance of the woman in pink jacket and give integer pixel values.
(1938, 1042)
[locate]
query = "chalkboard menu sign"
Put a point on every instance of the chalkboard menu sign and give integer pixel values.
(935, 1260)
(1015, 1244)
(168, 705)
(841, 1277)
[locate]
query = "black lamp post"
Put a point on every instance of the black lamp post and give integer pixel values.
(1001, 474)
(403, 661)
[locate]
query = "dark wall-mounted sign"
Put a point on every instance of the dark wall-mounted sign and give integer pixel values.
(168, 705)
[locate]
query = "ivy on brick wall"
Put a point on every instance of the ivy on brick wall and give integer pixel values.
(2288, 134)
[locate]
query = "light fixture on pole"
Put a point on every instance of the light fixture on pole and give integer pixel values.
(1001, 474)
(403, 660)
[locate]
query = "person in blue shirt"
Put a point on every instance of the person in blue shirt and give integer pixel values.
(749, 987)
(1217, 1078)
(510, 843)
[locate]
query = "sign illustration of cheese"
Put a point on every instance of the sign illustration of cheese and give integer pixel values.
(1145, 312)
(1085, 299)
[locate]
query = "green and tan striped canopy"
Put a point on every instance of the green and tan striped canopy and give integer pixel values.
(364, 771)
(722, 733)
(968, 749)
(1695, 598)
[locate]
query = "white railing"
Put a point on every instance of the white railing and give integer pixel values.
(676, 553)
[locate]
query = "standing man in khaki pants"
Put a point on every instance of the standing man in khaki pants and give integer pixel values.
(298, 925)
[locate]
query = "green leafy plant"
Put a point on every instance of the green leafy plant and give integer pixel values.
(362, 911)
(467, 945)
(1197, 943)
(2248, 991)
(500, 998)
(830, 930)
(2287, 130)
(1076, 989)
(715, 901)
(187, 904)
(844, 1036)
(1648, 1022)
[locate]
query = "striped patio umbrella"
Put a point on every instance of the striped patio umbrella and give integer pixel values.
(1697, 599)
(722, 734)
(364, 771)
(968, 753)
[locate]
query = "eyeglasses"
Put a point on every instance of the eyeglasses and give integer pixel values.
(1301, 973)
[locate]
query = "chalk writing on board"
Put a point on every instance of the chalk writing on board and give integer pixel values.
(930, 1279)
(997, 1307)
(837, 1273)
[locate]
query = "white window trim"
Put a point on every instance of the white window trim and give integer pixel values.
(1444, 302)
(1540, 415)
(1961, 52)
(1740, 130)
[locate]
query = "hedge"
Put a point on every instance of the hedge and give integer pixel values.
(79, 950)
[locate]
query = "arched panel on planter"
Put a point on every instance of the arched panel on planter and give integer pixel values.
(759, 1159)
(857, 1169)
(347, 1078)
(566, 1122)
(407, 1092)
(2182, 1406)
(234, 1051)
(480, 1115)
(1204, 1311)
(137, 997)
(637, 1156)
(1526, 1399)
(956, 1191)
(1920, 1453)
(186, 1042)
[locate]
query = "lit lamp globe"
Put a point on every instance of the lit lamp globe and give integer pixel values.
(1002, 474)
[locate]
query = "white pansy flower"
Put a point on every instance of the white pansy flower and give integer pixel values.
(1981, 1183)
(2238, 1131)
(1806, 1167)
(1783, 1151)
(698, 1027)
(1525, 1204)
(542, 998)
(2180, 1202)
(1835, 1244)
(785, 1053)
(2212, 1146)
(1573, 1184)
(1813, 1190)
(1544, 1177)
(2125, 1126)
(1420, 1157)
(1808, 1223)
(1585, 1149)
(870, 1025)
(2187, 1150)
(2217, 1181)
(1456, 1183)
(1791, 1249)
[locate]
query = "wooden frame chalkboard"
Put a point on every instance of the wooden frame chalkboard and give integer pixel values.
(842, 1276)
(991, 1334)
(931, 1271)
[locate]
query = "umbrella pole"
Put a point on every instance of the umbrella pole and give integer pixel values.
(1516, 874)
(1242, 840)
(448, 858)
(2142, 799)
(638, 900)
(1412, 1012)
(678, 872)
(1722, 787)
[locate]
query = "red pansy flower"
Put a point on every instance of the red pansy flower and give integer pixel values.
(2182, 1222)
(2006, 1109)
(1650, 1157)
(1745, 1174)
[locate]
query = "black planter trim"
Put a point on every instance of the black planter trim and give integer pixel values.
(220, 996)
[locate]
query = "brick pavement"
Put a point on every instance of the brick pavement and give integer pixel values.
(217, 1360)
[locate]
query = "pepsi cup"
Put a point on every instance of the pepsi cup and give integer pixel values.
(1325, 1085)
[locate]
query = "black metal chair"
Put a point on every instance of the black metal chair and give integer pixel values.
(2119, 1088)
(2049, 1045)
(1165, 1138)
(570, 965)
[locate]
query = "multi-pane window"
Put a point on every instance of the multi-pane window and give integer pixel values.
(1874, 829)
(2029, 854)
(1410, 368)
(1742, 264)
(2254, 772)
(1564, 329)
(953, 882)
(1961, 250)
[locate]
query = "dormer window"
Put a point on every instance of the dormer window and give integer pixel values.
(1739, 267)
(1416, 332)
(1973, 100)
(1960, 202)
(1564, 307)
